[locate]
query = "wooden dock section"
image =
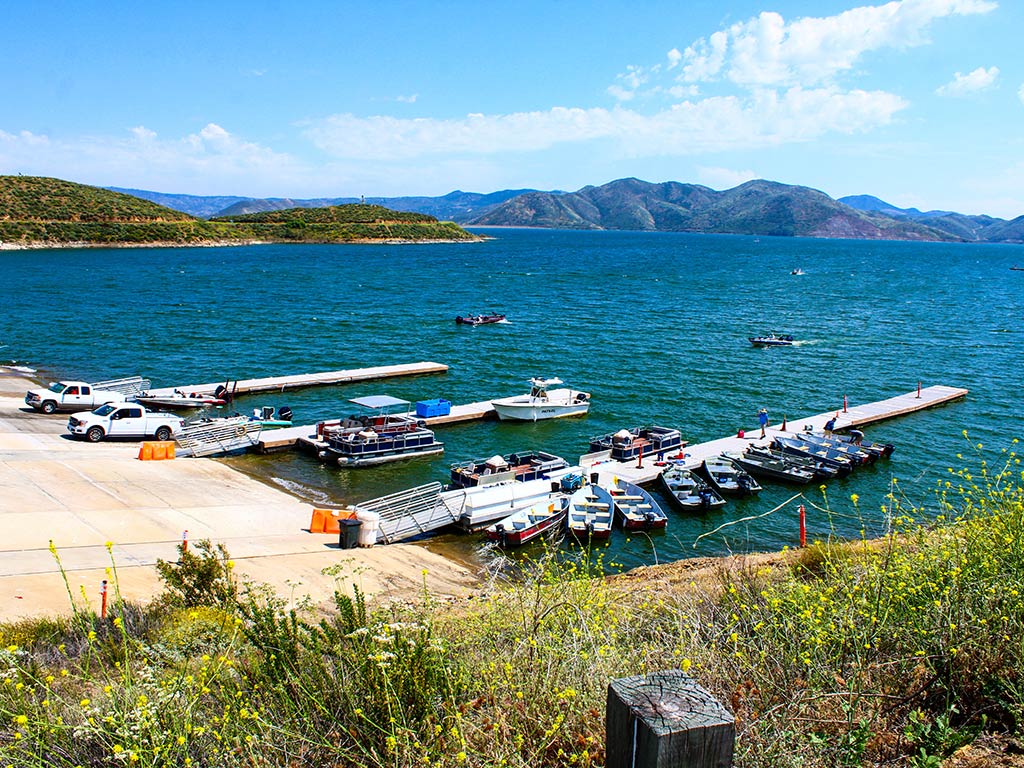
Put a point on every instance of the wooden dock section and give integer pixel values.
(305, 437)
(325, 378)
(647, 470)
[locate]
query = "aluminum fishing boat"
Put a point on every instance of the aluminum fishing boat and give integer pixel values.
(687, 490)
(591, 513)
(527, 524)
(635, 508)
(771, 467)
(727, 478)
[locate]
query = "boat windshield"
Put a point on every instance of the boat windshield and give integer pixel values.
(104, 410)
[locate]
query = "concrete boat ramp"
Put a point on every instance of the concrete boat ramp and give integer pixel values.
(425, 508)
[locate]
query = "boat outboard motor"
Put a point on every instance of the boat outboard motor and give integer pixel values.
(284, 413)
(221, 392)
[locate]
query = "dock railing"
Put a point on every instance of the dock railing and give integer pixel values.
(414, 511)
(132, 385)
(217, 436)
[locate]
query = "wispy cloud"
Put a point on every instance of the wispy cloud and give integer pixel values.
(685, 128)
(1020, 93)
(724, 178)
(978, 80)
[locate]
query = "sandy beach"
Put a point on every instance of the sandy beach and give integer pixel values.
(103, 508)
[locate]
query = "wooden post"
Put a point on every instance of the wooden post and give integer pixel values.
(666, 720)
(640, 458)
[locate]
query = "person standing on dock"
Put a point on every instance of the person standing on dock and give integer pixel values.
(762, 417)
(830, 425)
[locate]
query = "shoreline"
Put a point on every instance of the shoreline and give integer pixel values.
(51, 246)
(111, 516)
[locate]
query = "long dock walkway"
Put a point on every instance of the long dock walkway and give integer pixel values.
(325, 378)
(305, 436)
(647, 470)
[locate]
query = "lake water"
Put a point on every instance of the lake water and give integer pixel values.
(654, 325)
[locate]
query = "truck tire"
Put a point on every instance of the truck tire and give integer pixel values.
(48, 406)
(94, 435)
(163, 433)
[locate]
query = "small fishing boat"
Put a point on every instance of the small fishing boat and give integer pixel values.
(635, 508)
(798, 271)
(478, 319)
(268, 419)
(180, 400)
(856, 437)
(591, 513)
(529, 523)
(521, 466)
(771, 340)
(628, 444)
(771, 467)
(727, 478)
(830, 457)
(818, 469)
(855, 453)
(379, 439)
(542, 402)
(687, 490)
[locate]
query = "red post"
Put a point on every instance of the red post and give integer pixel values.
(783, 427)
(184, 542)
(844, 403)
(919, 390)
(803, 526)
(640, 458)
(103, 599)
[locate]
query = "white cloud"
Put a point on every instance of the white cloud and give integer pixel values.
(686, 128)
(407, 99)
(723, 178)
(1020, 93)
(768, 50)
(978, 80)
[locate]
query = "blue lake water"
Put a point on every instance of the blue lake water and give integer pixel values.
(654, 325)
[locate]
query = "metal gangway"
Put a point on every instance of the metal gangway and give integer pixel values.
(414, 511)
(214, 437)
(133, 385)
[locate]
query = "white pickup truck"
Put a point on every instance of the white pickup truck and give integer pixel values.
(124, 420)
(70, 396)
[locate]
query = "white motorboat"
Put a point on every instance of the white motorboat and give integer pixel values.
(542, 402)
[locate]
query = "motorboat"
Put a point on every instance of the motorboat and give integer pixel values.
(269, 419)
(635, 508)
(830, 457)
(479, 319)
(384, 437)
(728, 478)
(771, 467)
(179, 400)
(856, 437)
(798, 271)
(529, 523)
(855, 453)
(818, 469)
(521, 466)
(591, 513)
(687, 490)
(542, 402)
(628, 444)
(772, 340)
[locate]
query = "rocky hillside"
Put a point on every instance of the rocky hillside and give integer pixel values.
(754, 208)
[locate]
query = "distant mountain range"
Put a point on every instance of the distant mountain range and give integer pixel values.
(754, 208)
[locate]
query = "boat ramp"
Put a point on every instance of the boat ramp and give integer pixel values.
(296, 381)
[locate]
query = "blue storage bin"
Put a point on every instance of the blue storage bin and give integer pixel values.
(427, 408)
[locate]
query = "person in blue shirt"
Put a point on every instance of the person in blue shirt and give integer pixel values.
(762, 417)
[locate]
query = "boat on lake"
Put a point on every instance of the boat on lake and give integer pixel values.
(529, 523)
(830, 457)
(771, 467)
(856, 437)
(268, 419)
(819, 470)
(687, 490)
(856, 454)
(798, 271)
(179, 400)
(521, 466)
(628, 444)
(542, 402)
(635, 508)
(772, 340)
(384, 437)
(478, 319)
(728, 478)
(591, 513)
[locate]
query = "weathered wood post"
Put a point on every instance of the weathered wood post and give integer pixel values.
(666, 720)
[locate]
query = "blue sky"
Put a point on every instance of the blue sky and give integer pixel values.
(920, 102)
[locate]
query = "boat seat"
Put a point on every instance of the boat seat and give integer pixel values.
(624, 497)
(598, 504)
(643, 506)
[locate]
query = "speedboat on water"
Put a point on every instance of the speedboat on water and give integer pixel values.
(771, 340)
(179, 400)
(542, 402)
(478, 319)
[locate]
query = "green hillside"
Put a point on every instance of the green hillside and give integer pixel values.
(38, 212)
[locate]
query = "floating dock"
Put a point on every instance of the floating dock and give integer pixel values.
(647, 469)
(323, 379)
(305, 437)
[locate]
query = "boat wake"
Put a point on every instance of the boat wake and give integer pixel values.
(806, 342)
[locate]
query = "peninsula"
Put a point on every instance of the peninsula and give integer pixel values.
(39, 212)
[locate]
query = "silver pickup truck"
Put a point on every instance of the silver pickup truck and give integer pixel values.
(124, 420)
